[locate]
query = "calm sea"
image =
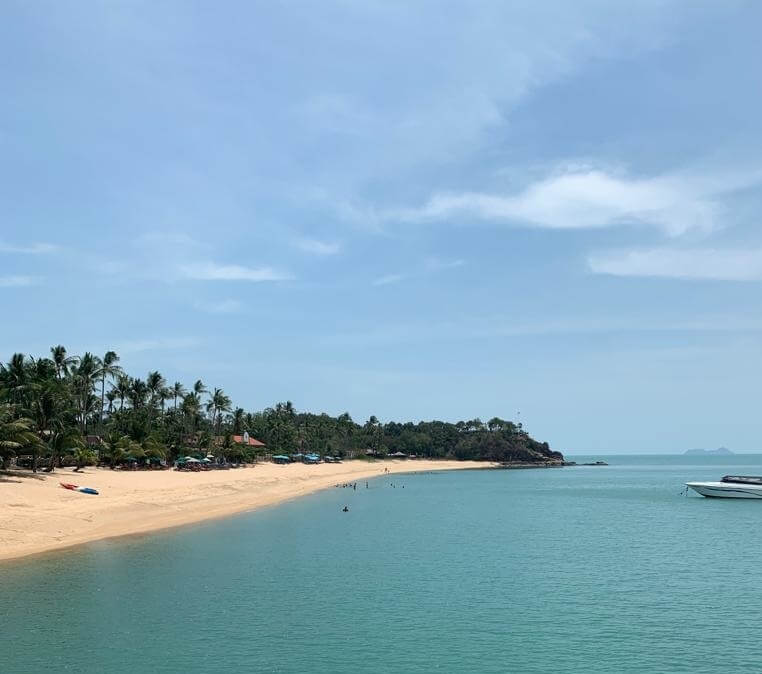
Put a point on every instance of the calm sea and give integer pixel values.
(565, 570)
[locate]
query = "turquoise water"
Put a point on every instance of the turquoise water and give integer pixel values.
(565, 570)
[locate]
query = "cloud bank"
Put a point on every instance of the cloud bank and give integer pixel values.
(591, 198)
(709, 264)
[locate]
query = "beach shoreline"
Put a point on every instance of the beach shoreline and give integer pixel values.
(37, 516)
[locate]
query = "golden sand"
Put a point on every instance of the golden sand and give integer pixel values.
(38, 515)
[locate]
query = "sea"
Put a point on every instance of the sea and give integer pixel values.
(581, 569)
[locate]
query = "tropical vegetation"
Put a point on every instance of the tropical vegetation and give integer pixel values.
(85, 409)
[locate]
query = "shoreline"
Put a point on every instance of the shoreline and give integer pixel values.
(37, 516)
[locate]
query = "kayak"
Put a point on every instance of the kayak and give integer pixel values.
(81, 490)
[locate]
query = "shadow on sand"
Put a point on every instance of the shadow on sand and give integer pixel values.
(18, 476)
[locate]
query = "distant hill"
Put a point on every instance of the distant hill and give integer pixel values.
(720, 451)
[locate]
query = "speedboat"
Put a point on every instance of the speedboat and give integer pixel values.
(731, 486)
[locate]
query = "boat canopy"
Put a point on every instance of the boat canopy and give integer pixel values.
(743, 479)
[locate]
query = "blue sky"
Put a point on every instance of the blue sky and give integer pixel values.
(415, 210)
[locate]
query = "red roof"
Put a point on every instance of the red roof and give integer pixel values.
(252, 441)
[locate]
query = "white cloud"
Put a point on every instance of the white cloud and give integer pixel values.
(587, 198)
(436, 264)
(34, 249)
(18, 281)
(389, 279)
(428, 266)
(228, 306)
(318, 247)
(687, 263)
(211, 271)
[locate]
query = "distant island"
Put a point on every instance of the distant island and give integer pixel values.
(720, 451)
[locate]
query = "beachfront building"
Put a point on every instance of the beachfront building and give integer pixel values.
(239, 440)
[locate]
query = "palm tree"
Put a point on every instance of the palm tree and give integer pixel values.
(108, 369)
(164, 395)
(138, 393)
(155, 382)
(84, 375)
(52, 407)
(15, 378)
(111, 396)
(62, 361)
(218, 403)
(191, 407)
(178, 391)
(60, 438)
(84, 457)
(115, 447)
(15, 433)
(122, 387)
(238, 419)
(199, 388)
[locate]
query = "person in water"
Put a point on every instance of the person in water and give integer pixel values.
(345, 509)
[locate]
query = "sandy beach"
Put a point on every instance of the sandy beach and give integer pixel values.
(38, 515)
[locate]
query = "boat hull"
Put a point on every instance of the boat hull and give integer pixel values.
(726, 490)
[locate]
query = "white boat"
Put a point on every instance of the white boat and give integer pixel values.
(731, 486)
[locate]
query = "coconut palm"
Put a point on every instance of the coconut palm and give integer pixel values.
(115, 447)
(178, 391)
(154, 383)
(84, 375)
(62, 361)
(111, 396)
(218, 403)
(15, 378)
(15, 433)
(238, 421)
(138, 393)
(122, 387)
(84, 457)
(60, 439)
(191, 407)
(109, 369)
(164, 395)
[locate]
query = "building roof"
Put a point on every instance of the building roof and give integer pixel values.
(239, 440)
(252, 441)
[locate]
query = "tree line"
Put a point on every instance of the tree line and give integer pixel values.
(86, 409)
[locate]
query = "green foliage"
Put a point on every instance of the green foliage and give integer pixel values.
(59, 406)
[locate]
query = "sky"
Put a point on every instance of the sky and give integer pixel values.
(543, 211)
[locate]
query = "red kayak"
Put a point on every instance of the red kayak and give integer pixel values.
(81, 490)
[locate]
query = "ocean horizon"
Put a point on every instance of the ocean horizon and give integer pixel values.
(594, 569)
